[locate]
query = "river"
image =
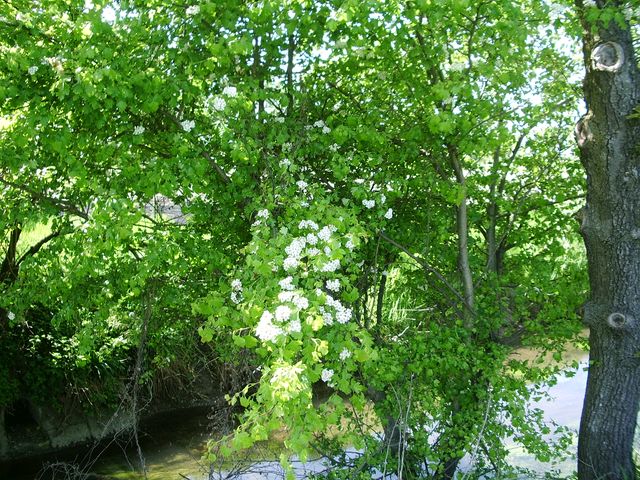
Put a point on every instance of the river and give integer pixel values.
(173, 444)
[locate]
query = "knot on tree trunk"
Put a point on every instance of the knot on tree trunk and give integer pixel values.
(619, 321)
(607, 57)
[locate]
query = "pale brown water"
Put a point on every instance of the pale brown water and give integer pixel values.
(173, 445)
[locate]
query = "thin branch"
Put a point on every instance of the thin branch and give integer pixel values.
(62, 205)
(36, 248)
(428, 268)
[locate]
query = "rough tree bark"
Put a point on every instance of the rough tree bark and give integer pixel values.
(608, 141)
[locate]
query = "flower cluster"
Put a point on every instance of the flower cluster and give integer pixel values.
(236, 291)
(188, 125)
(32, 70)
(138, 130)
(230, 91)
(266, 330)
(193, 10)
(369, 203)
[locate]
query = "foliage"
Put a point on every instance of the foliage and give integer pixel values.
(316, 157)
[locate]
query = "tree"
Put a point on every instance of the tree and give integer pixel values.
(608, 138)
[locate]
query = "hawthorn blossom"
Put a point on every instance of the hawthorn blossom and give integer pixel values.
(383, 199)
(333, 285)
(301, 302)
(11, 316)
(308, 224)
(266, 330)
(283, 313)
(328, 318)
(324, 234)
(138, 130)
(294, 249)
(32, 70)
(295, 326)
(343, 315)
(302, 185)
(327, 251)
(389, 214)
(344, 354)
(285, 162)
(230, 91)
(236, 284)
(193, 10)
(236, 297)
(289, 263)
(334, 148)
(286, 283)
(188, 125)
(319, 124)
(331, 266)
(312, 252)
(279, 119)
(286, 296)
(369, 203)
(350, 244)
(326, 129)
(311, 239)
(327, 375)
(263, 213)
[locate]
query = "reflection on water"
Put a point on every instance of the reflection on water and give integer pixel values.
(173, 445)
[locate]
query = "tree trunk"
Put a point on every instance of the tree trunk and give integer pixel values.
(608, 142)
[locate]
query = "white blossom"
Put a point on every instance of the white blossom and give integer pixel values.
(236, 284)
(11, 316)
(389, 214)
(285, 162)
(188, 125)
(286, 283)
(236, 297)
(295, 326)
(327, 375)
(383, 199)
(343, 315)
(328, 318)
(324, 234)
(287, 146)
(294, 249)
(327, 251)
(193, 10)
(311, 238)
(331, 266)
(334, 148)
(350, 244)
(230, 91)
(308, 224)
(326, 129)
(304, 204)
(286, 296)
(333, 285)
(219, 104)
(32, 70)
(138, 130)
(319, 124)
(290, 263)
(266, 330)
(301, 302)
(369, 203)
(312, 252)
(302, 185)
(264, 213)
(344, 354)
(279, 119)
(283, 313)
